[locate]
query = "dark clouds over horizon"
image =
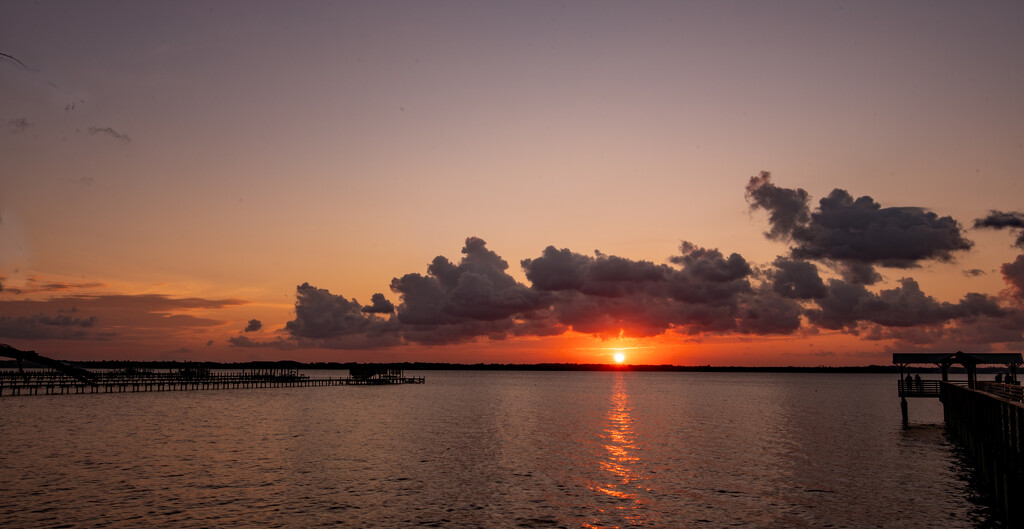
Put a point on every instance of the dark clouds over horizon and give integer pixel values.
(822, 281)
(101, 317)
(699, 291)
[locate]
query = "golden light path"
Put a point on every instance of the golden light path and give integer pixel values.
(623, 478)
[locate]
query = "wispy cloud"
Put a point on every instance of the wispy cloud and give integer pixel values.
(110, 132)
(18, 125)
(96, 316)
(41, 326)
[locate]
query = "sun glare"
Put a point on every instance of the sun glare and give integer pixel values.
(619, 358)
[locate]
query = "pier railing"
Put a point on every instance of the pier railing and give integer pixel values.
(992, 429)
(1011, 392)
(919, 388)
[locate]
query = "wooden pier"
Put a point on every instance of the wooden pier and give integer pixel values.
(989, 421)
(987, 417)
(61, 379)
(15, 384)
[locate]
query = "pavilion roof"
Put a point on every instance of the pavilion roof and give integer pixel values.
(958, 357)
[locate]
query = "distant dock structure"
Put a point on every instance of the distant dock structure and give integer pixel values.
(986, 416)
(59, 378)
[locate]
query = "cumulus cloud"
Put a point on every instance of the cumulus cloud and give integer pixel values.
(602, 275)
(322, 315)
(855, 234)
(766, 312)
(796, 279)
(1013, 274)
(848, 304)
(110, 132)
(459, 302)
(1013, 220)
(704, 292)
(701, 290)
(696, 292)
(860, 230)
(254, 325)
(379, 305)
(978, 334)
(787, 208)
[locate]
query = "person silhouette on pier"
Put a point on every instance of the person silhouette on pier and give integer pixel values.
(909, 382)
(917, 382)
(999, 378)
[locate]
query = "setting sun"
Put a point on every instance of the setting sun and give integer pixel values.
(619, 357)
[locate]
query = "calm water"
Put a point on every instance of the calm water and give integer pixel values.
(492, 449)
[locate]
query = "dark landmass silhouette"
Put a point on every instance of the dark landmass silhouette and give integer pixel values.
(444, 366)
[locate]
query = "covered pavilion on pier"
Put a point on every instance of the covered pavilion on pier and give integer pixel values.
(933, 388)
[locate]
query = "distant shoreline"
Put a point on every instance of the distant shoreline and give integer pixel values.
(445, 366)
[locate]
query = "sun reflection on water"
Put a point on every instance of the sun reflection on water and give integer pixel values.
(620, 463)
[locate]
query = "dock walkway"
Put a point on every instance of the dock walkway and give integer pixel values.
(15, 383)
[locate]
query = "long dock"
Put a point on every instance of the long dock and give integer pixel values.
(15, 384)
(60, 378)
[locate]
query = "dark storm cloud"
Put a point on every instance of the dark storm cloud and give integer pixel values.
(707, 277)
(605, 295)
(861, 231)
(848, 304)
(322, 315)
(766, 312)
(41, 326)
(696, 292)
(978, 334)
(998, 220)
(787, 208)
(18, 125)
(456, 303)
(108, 131)
(602, 275)
(476, 291)
(254, 325)
(379, 305)
(856, 234)
(1013, 274)
(704, 292)
(796, 279)
(857, 272)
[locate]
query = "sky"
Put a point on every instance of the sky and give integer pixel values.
(690, 183)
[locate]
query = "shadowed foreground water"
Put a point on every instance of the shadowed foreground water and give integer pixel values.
(492, 449)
